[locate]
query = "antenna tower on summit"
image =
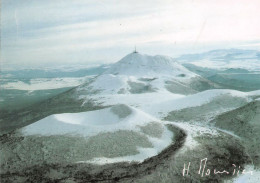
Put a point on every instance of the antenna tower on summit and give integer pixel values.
(135, 50)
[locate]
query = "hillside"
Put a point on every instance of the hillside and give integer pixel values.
(245, 123)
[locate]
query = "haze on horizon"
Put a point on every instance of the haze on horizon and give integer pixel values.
(87, 32)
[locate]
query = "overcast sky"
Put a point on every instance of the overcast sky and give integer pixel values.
(39, 32)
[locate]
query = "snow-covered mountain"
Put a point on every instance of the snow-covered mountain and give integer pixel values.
(232, 68)
(112, 122)
(140, 65)
(137, 73)
(147, 109)
(225, 59)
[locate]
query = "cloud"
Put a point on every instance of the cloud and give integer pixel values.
(62, 31)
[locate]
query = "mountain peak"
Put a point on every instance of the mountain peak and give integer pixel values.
(137, 64)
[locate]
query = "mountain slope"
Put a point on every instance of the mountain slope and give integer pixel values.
(245, 123)
(137, 73)
(136, 64)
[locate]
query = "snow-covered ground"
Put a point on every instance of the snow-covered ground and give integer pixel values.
(254, 64)
(158, 145)
(159, 104)
(225, 59)
(129, 112)
(112, 119)
(44, 83)
(90, 123)
(136, 100)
